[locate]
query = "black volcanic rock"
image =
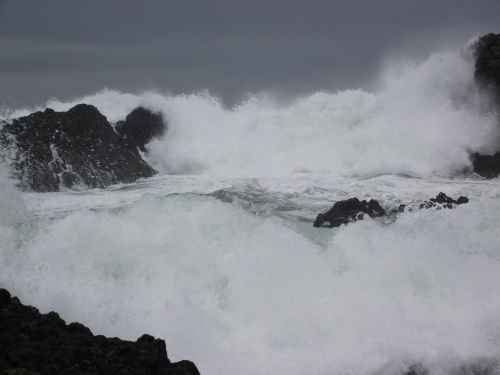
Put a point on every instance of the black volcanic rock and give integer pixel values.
(487, 76)
(53, 150)
(348, 211)
(141, 126)
(443, 201)
(351, 210)
(487, 67)
(42, 344)
(486, 165)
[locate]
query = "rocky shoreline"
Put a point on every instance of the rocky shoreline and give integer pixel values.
(351, 210)
(32, 343)
(50, 151)
(79, 148)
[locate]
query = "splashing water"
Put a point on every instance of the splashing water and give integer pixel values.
(230, 271)
(424, 120)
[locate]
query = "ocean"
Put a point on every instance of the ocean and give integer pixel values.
(218, 256)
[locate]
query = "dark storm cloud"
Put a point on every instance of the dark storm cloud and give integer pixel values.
(66, 48)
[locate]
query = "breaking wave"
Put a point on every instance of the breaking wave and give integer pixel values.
(210, 264)
(240, 293)
(424, 119)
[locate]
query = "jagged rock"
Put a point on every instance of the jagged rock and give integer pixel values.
(487, 76)
(34, 343)
(487, 67)
(441, 201)
(486, 165)
(53, 150)
(141, 126)
(351, 210)
(348, 211)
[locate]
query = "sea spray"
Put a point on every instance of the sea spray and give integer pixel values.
(240, 288)
(424, 119)
(226, 286)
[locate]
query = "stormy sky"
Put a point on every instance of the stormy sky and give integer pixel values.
(65, 48)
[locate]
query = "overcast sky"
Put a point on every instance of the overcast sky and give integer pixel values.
(66, 48)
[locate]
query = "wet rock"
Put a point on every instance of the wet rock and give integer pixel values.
(443, 201)
(348, 211)
(487, 66)
(140, 127)
(351, 210)
(487, 76)
(486, 165)
(34, 343)
(78, 148)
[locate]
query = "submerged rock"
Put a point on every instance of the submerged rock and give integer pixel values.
(34, 343)
(53, 150)
(351, 210)
(487, 76)
(141, 126)
(348, 211)
(443, 201)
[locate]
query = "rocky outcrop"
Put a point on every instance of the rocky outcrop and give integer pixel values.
(486, 165)
(351, 210)
(487, 76)
(487, 67)
(78, 148)
(348, 211)
(140, 127)
(43, 344)
(439, 202)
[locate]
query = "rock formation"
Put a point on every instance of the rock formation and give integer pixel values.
(43, 344)
(487, 76)
(78, 148)
(348, 211)
(351, 210)
(140, 127)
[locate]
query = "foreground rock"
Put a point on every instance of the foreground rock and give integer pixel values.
(351, 210)
(42, 344)
(140, 127)
(54, 150)
(487, 75)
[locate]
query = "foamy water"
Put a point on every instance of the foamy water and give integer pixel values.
(425, 119)
(222, 260)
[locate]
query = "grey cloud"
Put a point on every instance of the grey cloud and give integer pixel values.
(64, 48)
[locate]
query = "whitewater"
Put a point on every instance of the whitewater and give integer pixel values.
(217, 254)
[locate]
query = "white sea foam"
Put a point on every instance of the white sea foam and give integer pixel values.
(244, 294)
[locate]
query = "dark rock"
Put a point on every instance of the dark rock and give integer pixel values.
(440, 201)
(34, 343)
(54, 150)
(487, 67)
(348, 211)
(486, 165)
(4, 297)
(487, 76)
(351, 210)
(140, 127)
(443, 201)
